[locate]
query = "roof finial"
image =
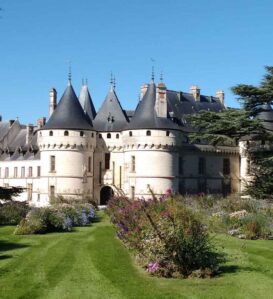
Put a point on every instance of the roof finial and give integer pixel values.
(114, 82)
(82, 81)
(111, 78)
(153, 70)
(161, 76)
(86, 81)
(69, 73)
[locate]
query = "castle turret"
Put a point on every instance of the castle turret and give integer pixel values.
(67, 143)
(87, 103)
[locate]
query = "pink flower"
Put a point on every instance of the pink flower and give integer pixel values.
(152, 267)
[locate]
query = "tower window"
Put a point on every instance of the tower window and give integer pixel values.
(167, 133)
(109, 135)
(66, 133)
(52, 163)
(202, 166)
(15, 172)
(133, 163)
(117, 136)
(226, 166)
(148, 133)
(130, 133)
(100, 136)
(50, 133)
(107, 161)
(22, 172)
(38, 171)
(81, 133)
(89, 163)
(6, 172)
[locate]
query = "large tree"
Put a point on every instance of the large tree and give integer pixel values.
(232, 125)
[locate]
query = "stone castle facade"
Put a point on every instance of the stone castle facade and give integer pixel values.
(80, 153)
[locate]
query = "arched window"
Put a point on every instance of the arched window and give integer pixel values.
(117, 136)
(92, 135)
(168, 133)
(130, 133)
(148, 133)
(81, 133)
(50, 133)
(108, 135)
(66, 133)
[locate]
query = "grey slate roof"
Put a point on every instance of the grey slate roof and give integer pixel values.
(145, 116)
(110, 117)
(4, 128)
(87, 103)
(68, 114)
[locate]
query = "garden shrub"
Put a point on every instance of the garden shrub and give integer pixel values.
(61, 217)
(12, 212)
(167, 236)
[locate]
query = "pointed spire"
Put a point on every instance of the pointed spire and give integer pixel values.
(69, 73)
(153, 75)
(86, 102)
(114, 82)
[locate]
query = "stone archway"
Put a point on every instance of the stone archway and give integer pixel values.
(106, 193)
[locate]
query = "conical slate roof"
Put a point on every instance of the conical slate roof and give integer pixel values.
(145, 116)
(87, 103)
(68, 114)
(111, 116)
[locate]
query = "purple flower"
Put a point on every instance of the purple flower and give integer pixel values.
(152, 267)
(67, 225)
(85, 220)
(91, 214)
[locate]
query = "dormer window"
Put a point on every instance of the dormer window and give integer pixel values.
(148, 133)
(50, 133)
(108, 135)
(117, 136)
(66, 133)
(130, 133)
(81, 133)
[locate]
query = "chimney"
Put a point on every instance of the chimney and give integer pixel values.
(195, 91)
(220, 94)
(143, 90)
(41, 122)
(30, 129)
(52, 100)
(161, 100)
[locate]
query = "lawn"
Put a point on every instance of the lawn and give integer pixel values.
(91, 263)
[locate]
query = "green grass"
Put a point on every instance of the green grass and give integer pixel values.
(92, 263)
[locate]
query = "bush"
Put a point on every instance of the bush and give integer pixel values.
(12, 212)
(61, 217)
(167, 236)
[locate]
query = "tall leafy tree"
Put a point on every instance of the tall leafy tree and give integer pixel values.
(232, 125)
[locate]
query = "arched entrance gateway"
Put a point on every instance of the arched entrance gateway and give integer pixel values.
(106, 193)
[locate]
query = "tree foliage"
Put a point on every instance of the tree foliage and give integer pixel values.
(8, 193)
(231, 125)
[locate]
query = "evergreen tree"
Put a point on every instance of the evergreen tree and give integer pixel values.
(231, 125)
(8, 193)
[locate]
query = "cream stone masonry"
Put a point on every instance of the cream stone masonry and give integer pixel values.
(79, 153)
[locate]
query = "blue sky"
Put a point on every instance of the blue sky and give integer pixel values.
(214, 44)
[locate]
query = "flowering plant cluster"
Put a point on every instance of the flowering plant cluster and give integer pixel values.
(61, 217)
(167, 237)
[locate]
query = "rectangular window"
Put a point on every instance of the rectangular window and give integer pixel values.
(52, 163)
(107, 161)
(133, 163)
(30, 172)
(38, 197)
(120, 176)
(202, 166)
(113, 166)
(52, 192)
(180, 165)
(38, 171)
(181, 187)
(132, 192)
(15, 174)
(100, 173)
(22, 172)
(6, 172)
(226, 166)
(89, 164)
(29, 192)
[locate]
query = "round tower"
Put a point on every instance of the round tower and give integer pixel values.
(67, 143)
